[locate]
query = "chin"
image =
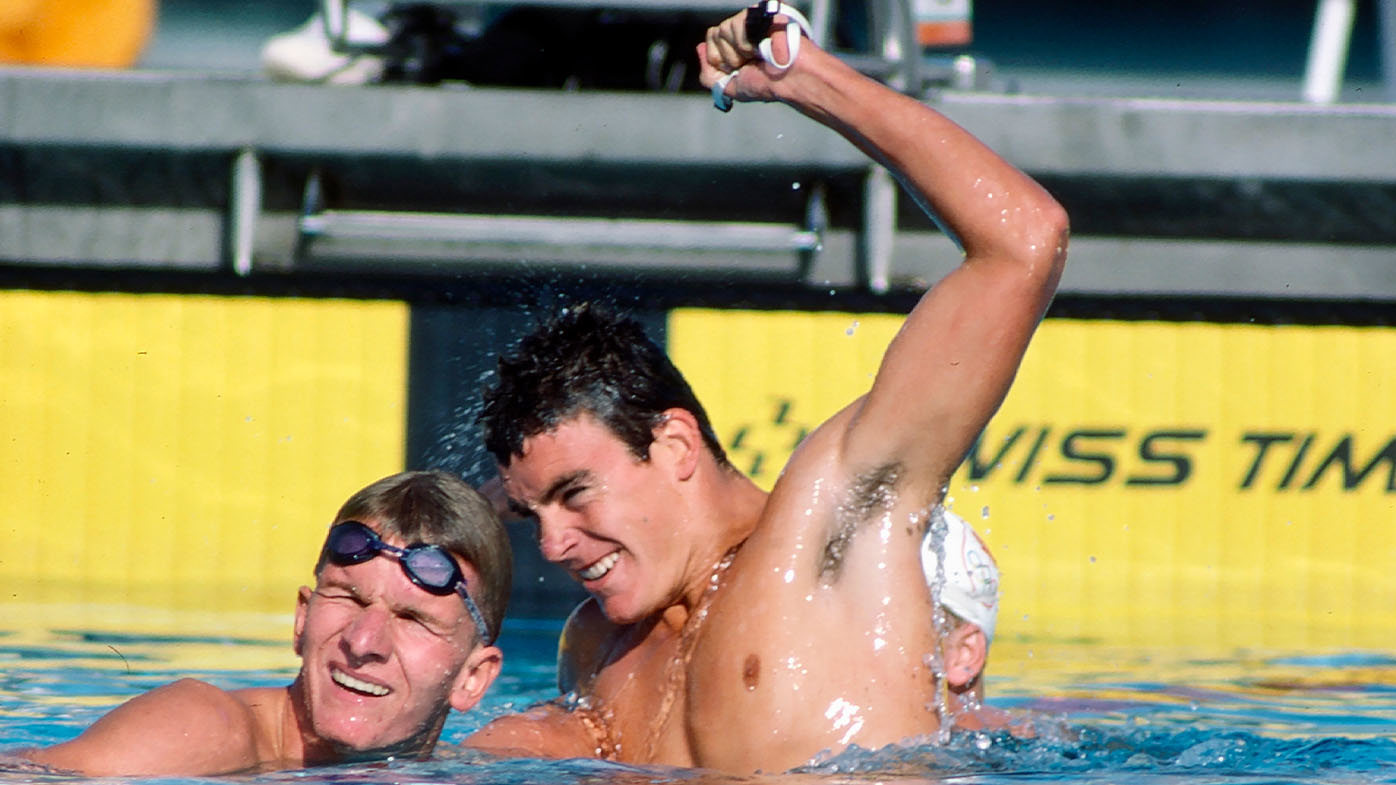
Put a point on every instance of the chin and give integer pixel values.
(366, 748)
(618, 611)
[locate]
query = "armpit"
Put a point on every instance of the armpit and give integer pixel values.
(872, 493)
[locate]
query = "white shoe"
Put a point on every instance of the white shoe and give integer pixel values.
(304, 54)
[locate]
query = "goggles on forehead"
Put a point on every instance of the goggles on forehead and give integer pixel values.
(428, 566)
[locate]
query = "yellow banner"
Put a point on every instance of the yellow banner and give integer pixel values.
(1144, 483)
(187, 451)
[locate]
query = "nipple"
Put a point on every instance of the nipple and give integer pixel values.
(751, 672)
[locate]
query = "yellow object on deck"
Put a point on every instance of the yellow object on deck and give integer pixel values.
(76, 33)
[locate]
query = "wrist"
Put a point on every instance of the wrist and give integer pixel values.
(808, 79)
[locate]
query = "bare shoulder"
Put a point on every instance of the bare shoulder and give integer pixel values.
(586, 641)
(188, 727)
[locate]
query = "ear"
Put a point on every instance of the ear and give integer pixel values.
(302, 604)
(965, 650)
(475, 677)
(679, 440)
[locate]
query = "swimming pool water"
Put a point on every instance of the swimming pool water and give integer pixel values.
(1127, 715)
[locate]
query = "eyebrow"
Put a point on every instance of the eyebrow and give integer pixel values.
(556, 489)
(560, 485)
(398, 608)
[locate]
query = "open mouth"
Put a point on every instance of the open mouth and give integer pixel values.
(600, 567)
(357, 685)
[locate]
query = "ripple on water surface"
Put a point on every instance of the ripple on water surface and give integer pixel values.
(1106, 715)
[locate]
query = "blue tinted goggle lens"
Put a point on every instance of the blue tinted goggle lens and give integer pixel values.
(428, 566)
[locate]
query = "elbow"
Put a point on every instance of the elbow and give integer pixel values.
(1044, 252)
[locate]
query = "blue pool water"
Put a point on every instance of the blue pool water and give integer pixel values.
(1120, 715)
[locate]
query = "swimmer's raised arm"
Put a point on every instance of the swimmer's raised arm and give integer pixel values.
(955, 357)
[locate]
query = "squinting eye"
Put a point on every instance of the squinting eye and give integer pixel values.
(340, 596)
(419, 623)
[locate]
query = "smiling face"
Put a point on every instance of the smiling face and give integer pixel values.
(384, 661)
(606, 516)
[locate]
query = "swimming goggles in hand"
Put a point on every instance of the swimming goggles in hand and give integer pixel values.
(760, 18)
(428, 566)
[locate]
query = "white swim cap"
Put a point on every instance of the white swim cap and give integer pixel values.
(971, 588)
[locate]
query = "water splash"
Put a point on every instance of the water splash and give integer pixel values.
(934, 660)
(1126, 755)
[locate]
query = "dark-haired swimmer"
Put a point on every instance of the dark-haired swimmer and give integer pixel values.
(733, 629)
(392, 637)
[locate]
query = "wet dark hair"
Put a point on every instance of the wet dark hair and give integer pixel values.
(587, 360)
(440, 508)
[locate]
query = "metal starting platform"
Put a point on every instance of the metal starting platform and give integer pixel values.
(244, 176)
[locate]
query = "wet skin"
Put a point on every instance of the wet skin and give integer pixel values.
(719, 667)
(608, 518)
(384, 660)
(816, 634)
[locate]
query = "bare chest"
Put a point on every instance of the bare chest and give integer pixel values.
(639, 701)
(790, 663)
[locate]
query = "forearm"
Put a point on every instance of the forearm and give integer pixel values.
(27, 760)
(993, 208)
(546, 731)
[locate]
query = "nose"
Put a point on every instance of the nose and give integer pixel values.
(556, 534)
(367, 638)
